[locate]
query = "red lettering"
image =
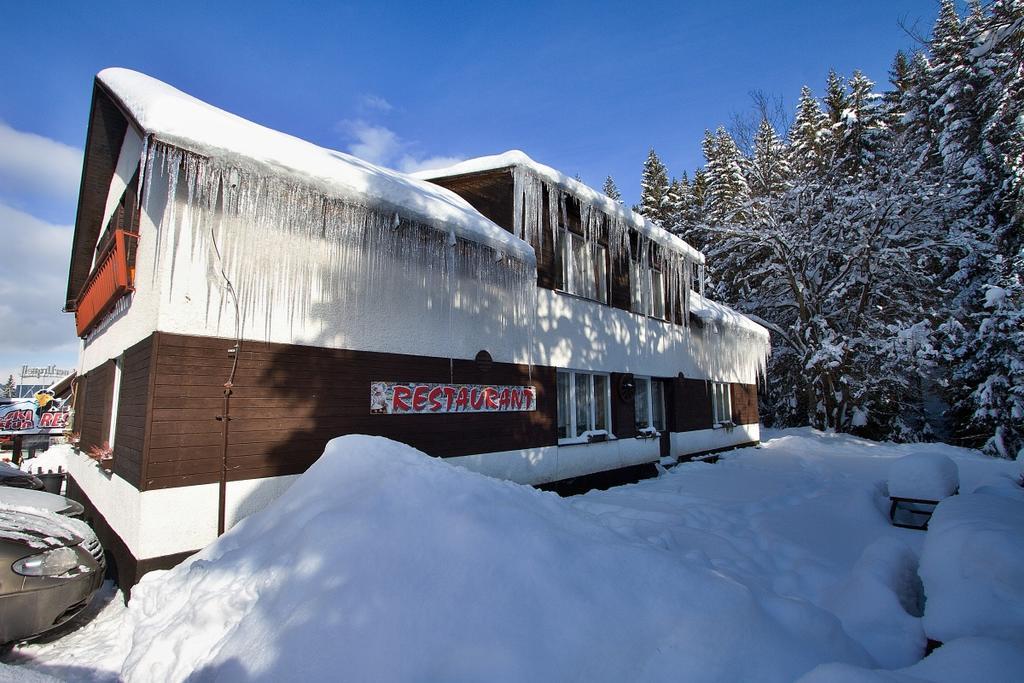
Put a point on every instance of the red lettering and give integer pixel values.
(400, 399)
(46, 419)
(435, 404)
(462, 401)
(517, 399)
(419, 398)
(449, 395)
(504, 401)
(476, 399)
(530, 398)
(490, 398)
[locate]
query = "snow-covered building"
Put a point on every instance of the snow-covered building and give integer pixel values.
(243, 296)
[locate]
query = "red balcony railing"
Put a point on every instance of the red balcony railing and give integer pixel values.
(111, 279)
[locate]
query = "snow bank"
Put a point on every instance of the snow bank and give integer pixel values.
(52, 459)
(924, 475)
(175, 118)
(380, 563)
(972, 566)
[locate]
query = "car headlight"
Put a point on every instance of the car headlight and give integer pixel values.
(50, 563)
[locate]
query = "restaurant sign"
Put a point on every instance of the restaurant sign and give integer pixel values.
(41, 414)
(414, 398)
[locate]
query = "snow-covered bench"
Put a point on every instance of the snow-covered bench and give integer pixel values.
(917, 483)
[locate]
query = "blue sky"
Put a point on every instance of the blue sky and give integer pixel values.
(585, 87)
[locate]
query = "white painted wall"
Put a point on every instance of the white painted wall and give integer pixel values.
(297, 289)
(135, 316)
(168, 521)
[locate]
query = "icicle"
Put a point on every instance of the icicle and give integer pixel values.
(285, 246)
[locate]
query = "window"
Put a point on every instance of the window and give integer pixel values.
(649, 404)
(647, 286)
(583, 405)
(584, 269)
(721, 403)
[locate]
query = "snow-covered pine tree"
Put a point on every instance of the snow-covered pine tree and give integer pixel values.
(611, 189)
(808, 136)
(8, 387)
(654, 191)
(727, 192)
(768, 171)
(681, 192)
(984, 338)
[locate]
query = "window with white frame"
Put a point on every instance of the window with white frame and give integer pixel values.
(721, 403)
(647, 285)
(649, 404)
(584, 268)
(584, 400)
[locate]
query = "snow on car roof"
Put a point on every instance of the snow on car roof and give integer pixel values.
(516, 157)
(178, 119)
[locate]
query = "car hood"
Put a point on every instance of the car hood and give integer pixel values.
(41, 529)
(40, 500)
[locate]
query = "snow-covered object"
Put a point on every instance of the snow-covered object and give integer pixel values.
(966, 660)
(923, 475)
(380, 563)
(880, 603)
(221, 146)
(41, 529)
(972, 567)
(531, 180)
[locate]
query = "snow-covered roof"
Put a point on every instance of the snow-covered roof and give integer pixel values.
(180, 120)
(711, 311)
(516, 157)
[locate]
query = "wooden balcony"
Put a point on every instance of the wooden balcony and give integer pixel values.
(112, 278)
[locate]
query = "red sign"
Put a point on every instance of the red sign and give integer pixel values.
(395, 398)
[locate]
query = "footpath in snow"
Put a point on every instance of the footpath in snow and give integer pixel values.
(775, 564)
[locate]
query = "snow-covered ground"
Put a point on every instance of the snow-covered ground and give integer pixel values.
(773, 564)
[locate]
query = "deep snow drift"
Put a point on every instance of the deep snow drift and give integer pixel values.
(383, 564)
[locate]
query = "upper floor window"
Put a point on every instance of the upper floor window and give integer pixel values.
(584, 269)
(647, 285)
(649, 404)
(721, 403)
(583, 405)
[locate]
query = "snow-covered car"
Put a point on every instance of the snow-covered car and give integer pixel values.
(12, 476)
(50, 564)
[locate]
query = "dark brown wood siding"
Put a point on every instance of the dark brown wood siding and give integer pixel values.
(133, 412)
(744, 404)
(94, 422)
(492, 194)
(692, 404)
(288, 401)
(623, 407)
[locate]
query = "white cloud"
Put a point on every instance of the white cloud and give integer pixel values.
(373, 103)
(382, 146)
(373, 143)
(409, 164)
(38, 165)
(33, 283)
